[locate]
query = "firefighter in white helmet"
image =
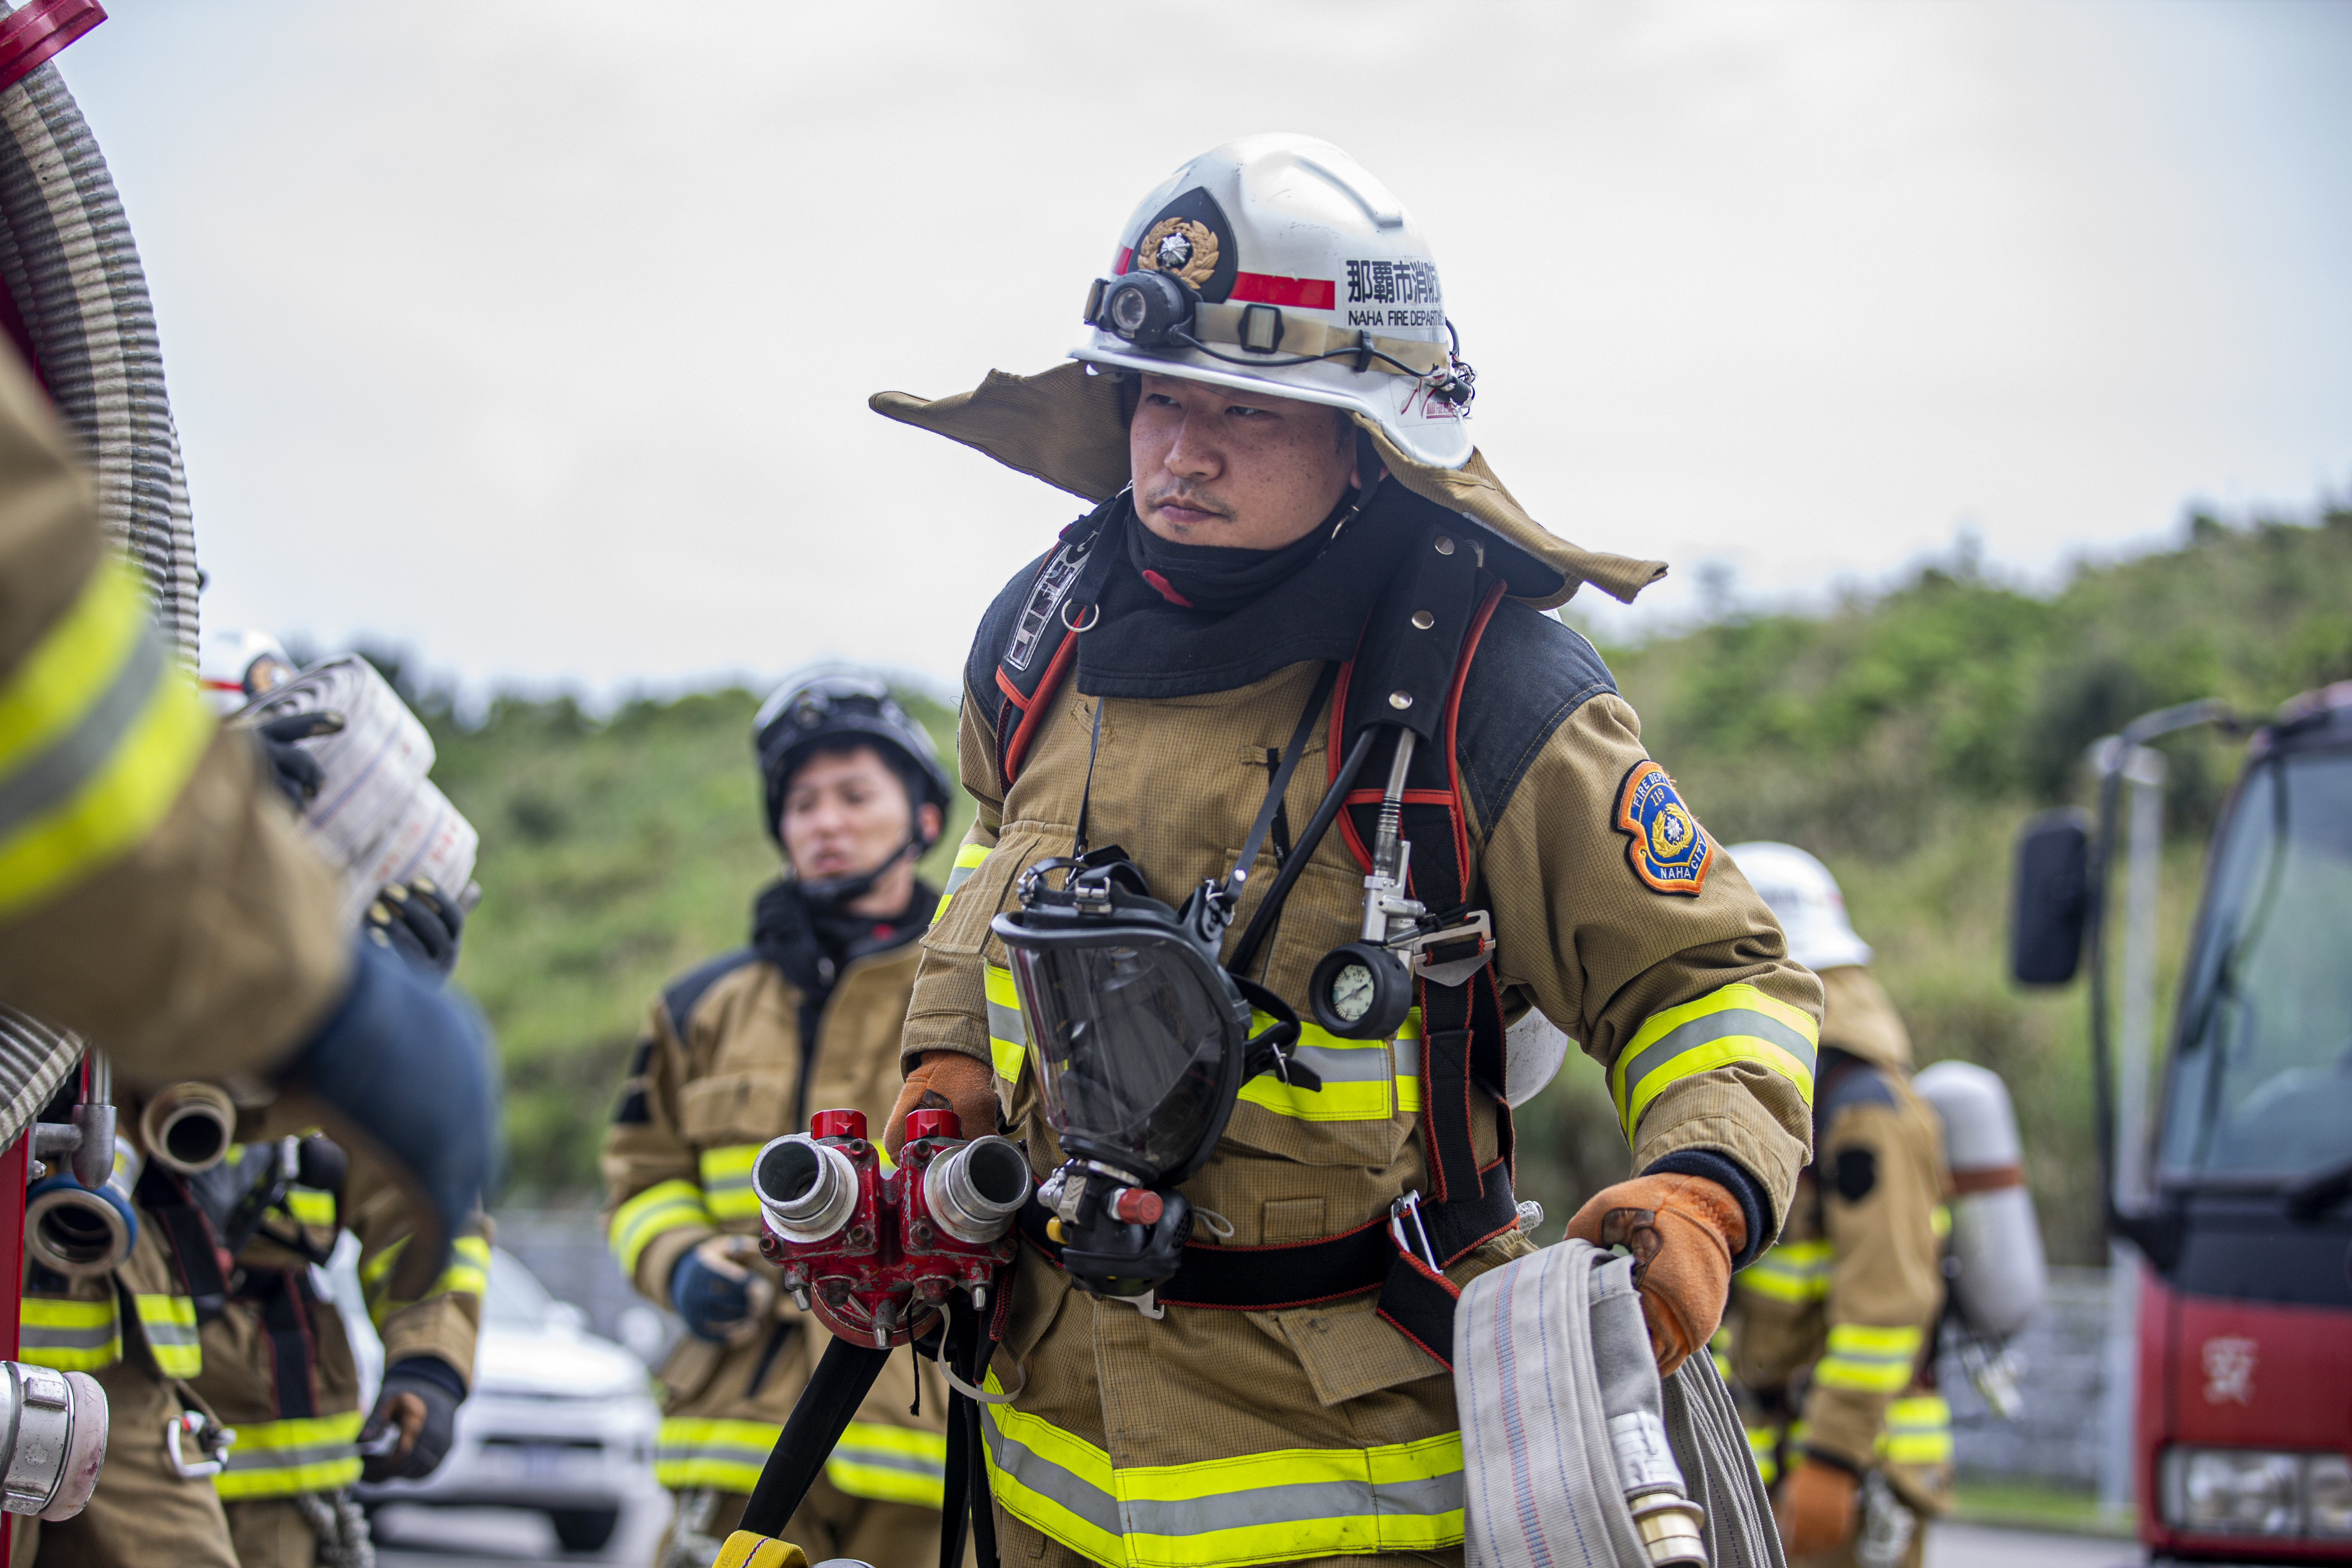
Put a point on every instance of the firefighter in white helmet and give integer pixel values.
(1831, 1338)
(1228, 1336)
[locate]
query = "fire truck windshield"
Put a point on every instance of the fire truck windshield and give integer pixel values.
(2261, 1082)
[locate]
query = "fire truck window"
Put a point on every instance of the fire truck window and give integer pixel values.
(2262, 1075)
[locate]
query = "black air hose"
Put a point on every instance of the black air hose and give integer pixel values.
(70, 264)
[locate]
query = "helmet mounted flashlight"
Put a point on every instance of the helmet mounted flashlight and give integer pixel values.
(1149, 310)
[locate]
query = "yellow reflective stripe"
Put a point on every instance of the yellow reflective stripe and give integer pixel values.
(1793, 1271)
(68, 1336)
(1363, 1080)
(1919, 1431)
(309, 1205)
(1873, 1360)
(300, 1454)
(168, 1322)
(467, 1273)
(665, 1205)
(1249, 1508)
(1736, 1023)
(99, 731)
(967, 861)
(1008, 1037)
(1939, 1220)
(1764, 1447)
(726, 1181)
(705, 1451)
(890, 1464)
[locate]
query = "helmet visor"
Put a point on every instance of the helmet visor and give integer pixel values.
(1132, 1032)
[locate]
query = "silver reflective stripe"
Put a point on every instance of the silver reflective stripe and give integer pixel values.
(245, 1457)
(163, 1334)
(886, 1459)
(1050, 1482)
(1004, 1023)
(41, 1337)
(957, 876)
(1714, 1027)
(1304, 1502)
(1371, 1063)
(55, 776)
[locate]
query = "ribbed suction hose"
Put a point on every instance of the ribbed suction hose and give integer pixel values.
(70, 266)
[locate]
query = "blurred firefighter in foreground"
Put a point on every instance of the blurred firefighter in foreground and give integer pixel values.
(744, 1049)
(252, 1349)
(155, 897)
(1833, 1330)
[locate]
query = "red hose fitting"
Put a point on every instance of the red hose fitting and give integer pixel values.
(38, 31)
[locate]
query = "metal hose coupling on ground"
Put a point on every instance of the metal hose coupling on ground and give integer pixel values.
(1671, 1527)
(52, 1439)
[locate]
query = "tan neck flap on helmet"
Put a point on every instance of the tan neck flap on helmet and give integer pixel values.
(1857, 1017)
(1064, 427)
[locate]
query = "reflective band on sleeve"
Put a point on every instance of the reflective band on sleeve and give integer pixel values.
(890, 1464)
(1919, 1431)
(702, 1451)
(1252, 1507)
(309, 1205)
(726, 1181)
(1939, 1220)
(99, 731)
(168, 1322)
(467, 1273)
(665, 1205)
(1736, 1023)
(1793, 1271)
(967, 861)
(1872, 1361)
(1363, 1080)
(301, 1454)
(1764, 1447)
(1008, 1037)
(70, 1336)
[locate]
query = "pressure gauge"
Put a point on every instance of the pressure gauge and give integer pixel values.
(1360, 992)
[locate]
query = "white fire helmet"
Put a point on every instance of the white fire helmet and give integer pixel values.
(237, 664)
(1805, 898)
(1279, 264)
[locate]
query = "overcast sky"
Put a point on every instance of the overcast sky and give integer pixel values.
(536, 336)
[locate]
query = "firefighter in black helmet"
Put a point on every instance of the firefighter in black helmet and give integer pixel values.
(745, 1048)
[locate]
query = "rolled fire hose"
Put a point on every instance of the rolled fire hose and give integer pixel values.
(1573, 1450)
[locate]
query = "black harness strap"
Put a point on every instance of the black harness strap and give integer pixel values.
(1043, 641)
(193, 1247)
(823, 1413)
(284, 1297)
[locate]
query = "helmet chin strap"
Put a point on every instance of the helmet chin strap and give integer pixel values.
(832, 892)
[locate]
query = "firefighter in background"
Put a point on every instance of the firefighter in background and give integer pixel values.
(744, 1049)
(154, 897)
(1832, 1341)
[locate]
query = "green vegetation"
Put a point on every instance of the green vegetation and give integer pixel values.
(2033, 1505)
(1902, 736)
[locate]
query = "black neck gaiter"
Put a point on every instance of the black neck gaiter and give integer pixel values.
(1220, 618)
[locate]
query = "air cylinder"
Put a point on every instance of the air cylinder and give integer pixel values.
(1996, 1245)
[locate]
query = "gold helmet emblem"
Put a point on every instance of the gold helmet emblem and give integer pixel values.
(1180, 247)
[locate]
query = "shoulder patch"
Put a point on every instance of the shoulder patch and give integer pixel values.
(1667, 848)
(680, 995)
(1528, 675)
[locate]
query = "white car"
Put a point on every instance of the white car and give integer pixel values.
(560, 1421)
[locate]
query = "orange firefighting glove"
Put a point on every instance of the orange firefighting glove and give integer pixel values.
(1817, 1507)
(1683, 1232)
(945, 1081)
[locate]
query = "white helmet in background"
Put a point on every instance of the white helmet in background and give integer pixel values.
(1804, 897)
(234, 666)
(1279, 264)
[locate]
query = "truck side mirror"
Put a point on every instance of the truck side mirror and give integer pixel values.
(2051, 901)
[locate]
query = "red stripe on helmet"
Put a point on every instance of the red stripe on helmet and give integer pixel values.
(1119, 267)
(1266, 288)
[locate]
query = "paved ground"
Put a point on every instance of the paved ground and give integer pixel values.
(493, 1538)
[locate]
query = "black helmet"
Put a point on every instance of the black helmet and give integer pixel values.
(845, 705)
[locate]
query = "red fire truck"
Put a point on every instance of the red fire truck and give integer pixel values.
(2243, 1441)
